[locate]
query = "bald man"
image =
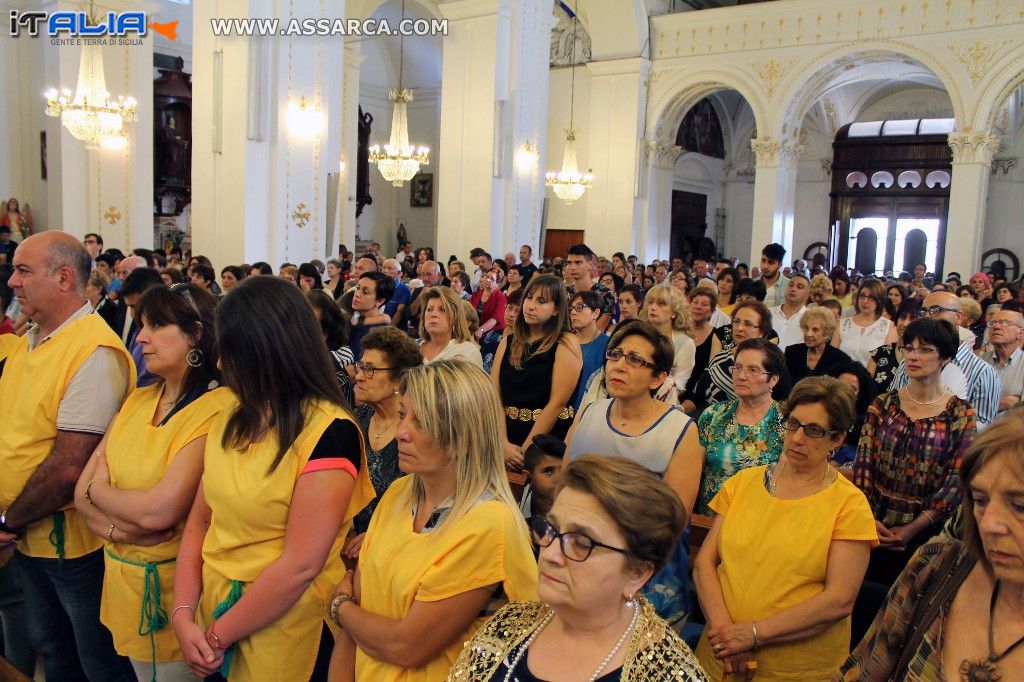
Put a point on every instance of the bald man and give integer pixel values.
(61, 385)
(980, 384)
(1006, 357)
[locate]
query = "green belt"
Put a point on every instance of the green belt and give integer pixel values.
(237, 586)
(152, 616)
(57, 537)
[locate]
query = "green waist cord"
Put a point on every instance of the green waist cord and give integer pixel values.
(57, 537)
(152, 617)
(233, 596)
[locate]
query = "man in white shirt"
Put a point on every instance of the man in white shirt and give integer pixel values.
(1006, 357)
(406, 251)
(786, 317)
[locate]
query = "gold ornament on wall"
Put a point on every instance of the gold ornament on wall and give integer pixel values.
(771, 72)
(301, 215)
(977, 56)
(112, 215)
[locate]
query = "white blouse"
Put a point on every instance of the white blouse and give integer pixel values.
(858, 342)
(466, 350)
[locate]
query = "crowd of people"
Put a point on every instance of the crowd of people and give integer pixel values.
(401, 469)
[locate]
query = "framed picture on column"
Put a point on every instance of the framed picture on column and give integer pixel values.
(422, 192)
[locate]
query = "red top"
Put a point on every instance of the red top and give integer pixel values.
(494, 308)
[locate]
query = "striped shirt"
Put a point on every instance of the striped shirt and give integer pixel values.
(983, 384)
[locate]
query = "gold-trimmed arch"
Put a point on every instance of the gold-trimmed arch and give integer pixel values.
(1004, 77)
(364, 9)
(810, 79)
(671, 99)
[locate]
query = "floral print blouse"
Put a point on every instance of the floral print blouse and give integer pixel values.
(732, 447)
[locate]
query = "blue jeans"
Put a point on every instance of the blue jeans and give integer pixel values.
(17, 648)
(63, 606)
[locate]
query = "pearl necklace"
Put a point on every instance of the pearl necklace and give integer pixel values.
(547, 619)
(930, 402)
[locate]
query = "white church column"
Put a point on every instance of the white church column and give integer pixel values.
(345, 230)
(474, 76)
(653, 238)
(527, 110)
(617, 100)
(267, 131)
(968, 191)
(774, 194)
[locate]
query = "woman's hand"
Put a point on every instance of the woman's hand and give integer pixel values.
(887, 538)
(202, 659)
(102, 472)
(347, 584)
(513, 457)
(738, 665)
(142, 540)
(731, 639)
(904, 534)
(353, 545)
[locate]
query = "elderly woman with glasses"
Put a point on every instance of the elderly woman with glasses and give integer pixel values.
(910, 450)
(780, 569)
(955, 612)
(750, 320)
(612, 526)
(631, 423)
(746, 431)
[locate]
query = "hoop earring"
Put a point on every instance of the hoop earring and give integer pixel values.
(194, 358)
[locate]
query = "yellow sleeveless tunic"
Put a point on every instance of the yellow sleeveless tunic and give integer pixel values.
(246, 534)
(31, 389)
(138, 455)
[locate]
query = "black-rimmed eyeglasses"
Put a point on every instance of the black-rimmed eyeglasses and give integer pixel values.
(575, 545)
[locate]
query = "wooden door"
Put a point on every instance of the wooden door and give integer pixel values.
(557, 242)
(689, 223)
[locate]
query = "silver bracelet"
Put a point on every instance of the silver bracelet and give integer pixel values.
(753, 631)
(183, 606)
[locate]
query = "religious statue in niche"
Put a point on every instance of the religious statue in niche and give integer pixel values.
(701, 131)
(175, 152)
(19, 221)
(569, 44)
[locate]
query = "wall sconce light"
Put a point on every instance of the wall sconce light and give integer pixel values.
(527, 157)
(115, 142)
(304, 119)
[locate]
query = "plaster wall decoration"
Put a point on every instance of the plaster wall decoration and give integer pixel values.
(662, 155)
(112, 215)
(764, 26)
(977, 56)
(770, 72)
(563, 35)
(831, 116)
(772, 152)
(1001, 168)
(973, 147)
(301, 215)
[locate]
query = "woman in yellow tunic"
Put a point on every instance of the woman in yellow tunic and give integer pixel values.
(284, 475)
(447, 544)
(782, 564)
(139, 485)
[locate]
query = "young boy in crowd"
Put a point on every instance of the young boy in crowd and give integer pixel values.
(542, 463)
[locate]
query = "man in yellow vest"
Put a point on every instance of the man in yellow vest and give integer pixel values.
(61, 384)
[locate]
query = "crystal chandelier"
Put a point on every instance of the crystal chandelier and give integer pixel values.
(399, 161)
(92, 116)
(569, 184)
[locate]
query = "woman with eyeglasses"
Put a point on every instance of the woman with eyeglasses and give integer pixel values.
(779, 570)
(447, 546)
(666, 308)
(868, 328)
(910, 450)
(746, 431)
(284, 474)
(388, 353)
(612, 526)
(750, 320)
(137, 488)
(537, 368)
(631, 423)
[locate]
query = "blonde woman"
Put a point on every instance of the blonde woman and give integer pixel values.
(821, 288)
(463, 545)
(444, 331)
(666, 308)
